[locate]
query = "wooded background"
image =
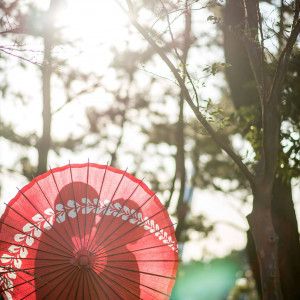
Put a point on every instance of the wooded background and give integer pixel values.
(196, 96)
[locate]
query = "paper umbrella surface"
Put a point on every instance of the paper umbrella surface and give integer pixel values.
(86, 231)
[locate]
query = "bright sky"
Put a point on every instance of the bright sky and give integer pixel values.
(100, 25)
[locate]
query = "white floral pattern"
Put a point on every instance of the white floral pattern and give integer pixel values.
(13, 259)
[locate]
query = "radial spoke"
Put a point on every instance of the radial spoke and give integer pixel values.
(28, 269)
(93, 274)
(67, 282)
(77, 286)
(115, 272)
(35, 249)
(86, 196)
(135, 271)
(115, 216)
(139, 260)
(136, 250)
(106, 209)
(34, 258)
(34, 207)
(26, 281)
(72, 271)
(138, 283)
(91, 280)
(67, 215)
(67, 233)
(73, 280)
(75, 203)
(122, 235)
(40, 278)
(107, 284)
(118, 282)
(85, 287)
(132, 241)
(96, 207)
(41, 240)
(98, 244)
(56, 277)
(15, 270)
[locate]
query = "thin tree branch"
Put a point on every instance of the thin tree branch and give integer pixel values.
(281, 69)
(188, 98)
(9, 31)
(39, 64)
(157, 75)
(182, 60)
(269, 87)
(7, 132)
(262, 52)
(271, 116)
(83, 91)
(296, 15)
(182, 11)
(249, 37)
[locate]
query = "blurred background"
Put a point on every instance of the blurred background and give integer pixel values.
(78, 83)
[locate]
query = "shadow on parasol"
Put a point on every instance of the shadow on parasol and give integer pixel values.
(86, 231)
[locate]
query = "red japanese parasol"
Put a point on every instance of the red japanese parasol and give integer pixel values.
(86, 232)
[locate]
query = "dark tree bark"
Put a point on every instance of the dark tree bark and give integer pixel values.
(286, 227)
(269, 87)
(239, 76)
(243, 92)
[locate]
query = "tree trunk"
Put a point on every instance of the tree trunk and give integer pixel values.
(286, 227)
(45, 141)
(266, 242)
(180, 161)
(182, 206)
(243, 92)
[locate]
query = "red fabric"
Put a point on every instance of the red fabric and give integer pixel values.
(87, 232)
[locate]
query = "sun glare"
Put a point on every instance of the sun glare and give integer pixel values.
(94, 27)
(92, 19)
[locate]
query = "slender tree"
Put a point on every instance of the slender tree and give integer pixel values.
(18, 25)
(246, 99)
(261, 178)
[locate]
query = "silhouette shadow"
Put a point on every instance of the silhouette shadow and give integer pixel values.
(86, 253)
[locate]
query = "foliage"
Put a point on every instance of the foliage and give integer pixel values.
(138, 116)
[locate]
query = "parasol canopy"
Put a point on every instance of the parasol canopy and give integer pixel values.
(86, 231)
